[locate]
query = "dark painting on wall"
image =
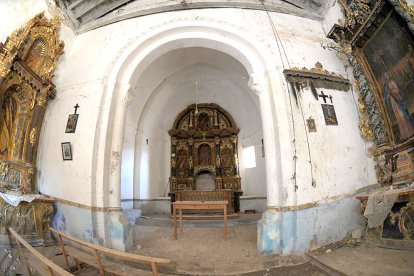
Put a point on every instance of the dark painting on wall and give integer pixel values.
(390, 56)
(329, 114)
(71, 124)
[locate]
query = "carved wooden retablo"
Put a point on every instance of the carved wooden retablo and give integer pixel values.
(204, 158)
(28, 59)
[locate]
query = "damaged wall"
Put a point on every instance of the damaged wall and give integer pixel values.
(339, 166)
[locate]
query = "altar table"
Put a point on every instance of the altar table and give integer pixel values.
(198, 205)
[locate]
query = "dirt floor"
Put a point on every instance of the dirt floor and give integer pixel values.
(202, 251)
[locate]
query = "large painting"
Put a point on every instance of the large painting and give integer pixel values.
(390, 55)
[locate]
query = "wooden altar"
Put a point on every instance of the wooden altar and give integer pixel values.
(204, 158)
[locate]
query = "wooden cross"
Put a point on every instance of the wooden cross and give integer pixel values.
(76, 107)
(322, 95)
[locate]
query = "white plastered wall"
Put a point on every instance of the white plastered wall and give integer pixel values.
(171, 82)
(84, 75)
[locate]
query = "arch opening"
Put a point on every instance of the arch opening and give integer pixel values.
(205, 181)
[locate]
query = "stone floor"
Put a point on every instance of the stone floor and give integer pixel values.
(202, 251)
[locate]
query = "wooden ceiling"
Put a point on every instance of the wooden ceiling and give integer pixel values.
(86, 15)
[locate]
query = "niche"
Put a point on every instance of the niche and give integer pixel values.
(205, 181)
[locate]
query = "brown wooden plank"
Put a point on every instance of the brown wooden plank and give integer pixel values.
(108, 266)
(113, 252)
(34, 263)
(45, 261)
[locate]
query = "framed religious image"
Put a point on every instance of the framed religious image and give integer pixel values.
(72, 122)
(329, 114)
(388, 53)
(311, 124)
(66, 151)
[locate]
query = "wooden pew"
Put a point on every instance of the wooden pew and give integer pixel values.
(104, 265)
(36, 260)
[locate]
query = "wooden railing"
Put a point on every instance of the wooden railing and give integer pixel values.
(103, 264)
(36, 260)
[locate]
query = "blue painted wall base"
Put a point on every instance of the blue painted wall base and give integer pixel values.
(109, 229)
(296, 232)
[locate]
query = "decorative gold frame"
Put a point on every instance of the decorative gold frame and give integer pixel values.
(26, 74)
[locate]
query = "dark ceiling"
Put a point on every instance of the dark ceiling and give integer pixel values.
(86, 15)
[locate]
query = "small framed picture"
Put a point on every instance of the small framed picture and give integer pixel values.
(329, 114)
(66, 151)
(311, 124)
(71, 124)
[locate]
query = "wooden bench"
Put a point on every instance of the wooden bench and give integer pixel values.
(36, 260)
(104, 264)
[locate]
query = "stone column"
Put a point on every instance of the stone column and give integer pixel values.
(269, 232)
(118, 125)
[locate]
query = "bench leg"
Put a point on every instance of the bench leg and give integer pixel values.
(175, 222)
(77, 264)
(225, 223)
(23, 257)
(154, 269)
(181, 222)
(62, 247)
(98, 260)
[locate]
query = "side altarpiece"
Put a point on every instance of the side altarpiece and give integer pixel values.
(28, 60)
(204, 150)
(377, 36)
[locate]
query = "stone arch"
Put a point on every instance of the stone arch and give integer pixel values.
(240, 44)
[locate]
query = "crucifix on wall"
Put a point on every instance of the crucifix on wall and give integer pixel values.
(72, 121)
(323, 96)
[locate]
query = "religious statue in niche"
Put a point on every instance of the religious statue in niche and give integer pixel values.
(182, 159)
(329, 114)
(7, 118)
(204, 154)
(36, 56)
(227, 158)
(203, 122)
(392, 65)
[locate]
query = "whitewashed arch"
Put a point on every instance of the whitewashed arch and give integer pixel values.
(249, 50)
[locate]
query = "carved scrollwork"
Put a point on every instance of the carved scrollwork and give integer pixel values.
(406, 11)
(383, 169)
(406, 221)
(376, 121)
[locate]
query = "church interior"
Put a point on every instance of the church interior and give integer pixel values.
(287, 125)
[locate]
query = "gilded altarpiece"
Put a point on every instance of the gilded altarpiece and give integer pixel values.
(204, 150)
(378, 40)
(27, 62)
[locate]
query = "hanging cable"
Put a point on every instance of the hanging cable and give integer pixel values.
(282, 49)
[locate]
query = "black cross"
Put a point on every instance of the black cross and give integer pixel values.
(330, 97)
(323, 96)
(76, 107)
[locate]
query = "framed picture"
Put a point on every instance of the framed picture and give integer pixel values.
(389, 56)
(66, 151)
(71, 124)
(329, 114)
(311, 124)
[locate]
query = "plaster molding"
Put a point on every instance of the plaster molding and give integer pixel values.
(191, 21)
(258, 83)
(129, 97)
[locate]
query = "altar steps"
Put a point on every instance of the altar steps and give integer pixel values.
(199, 221)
